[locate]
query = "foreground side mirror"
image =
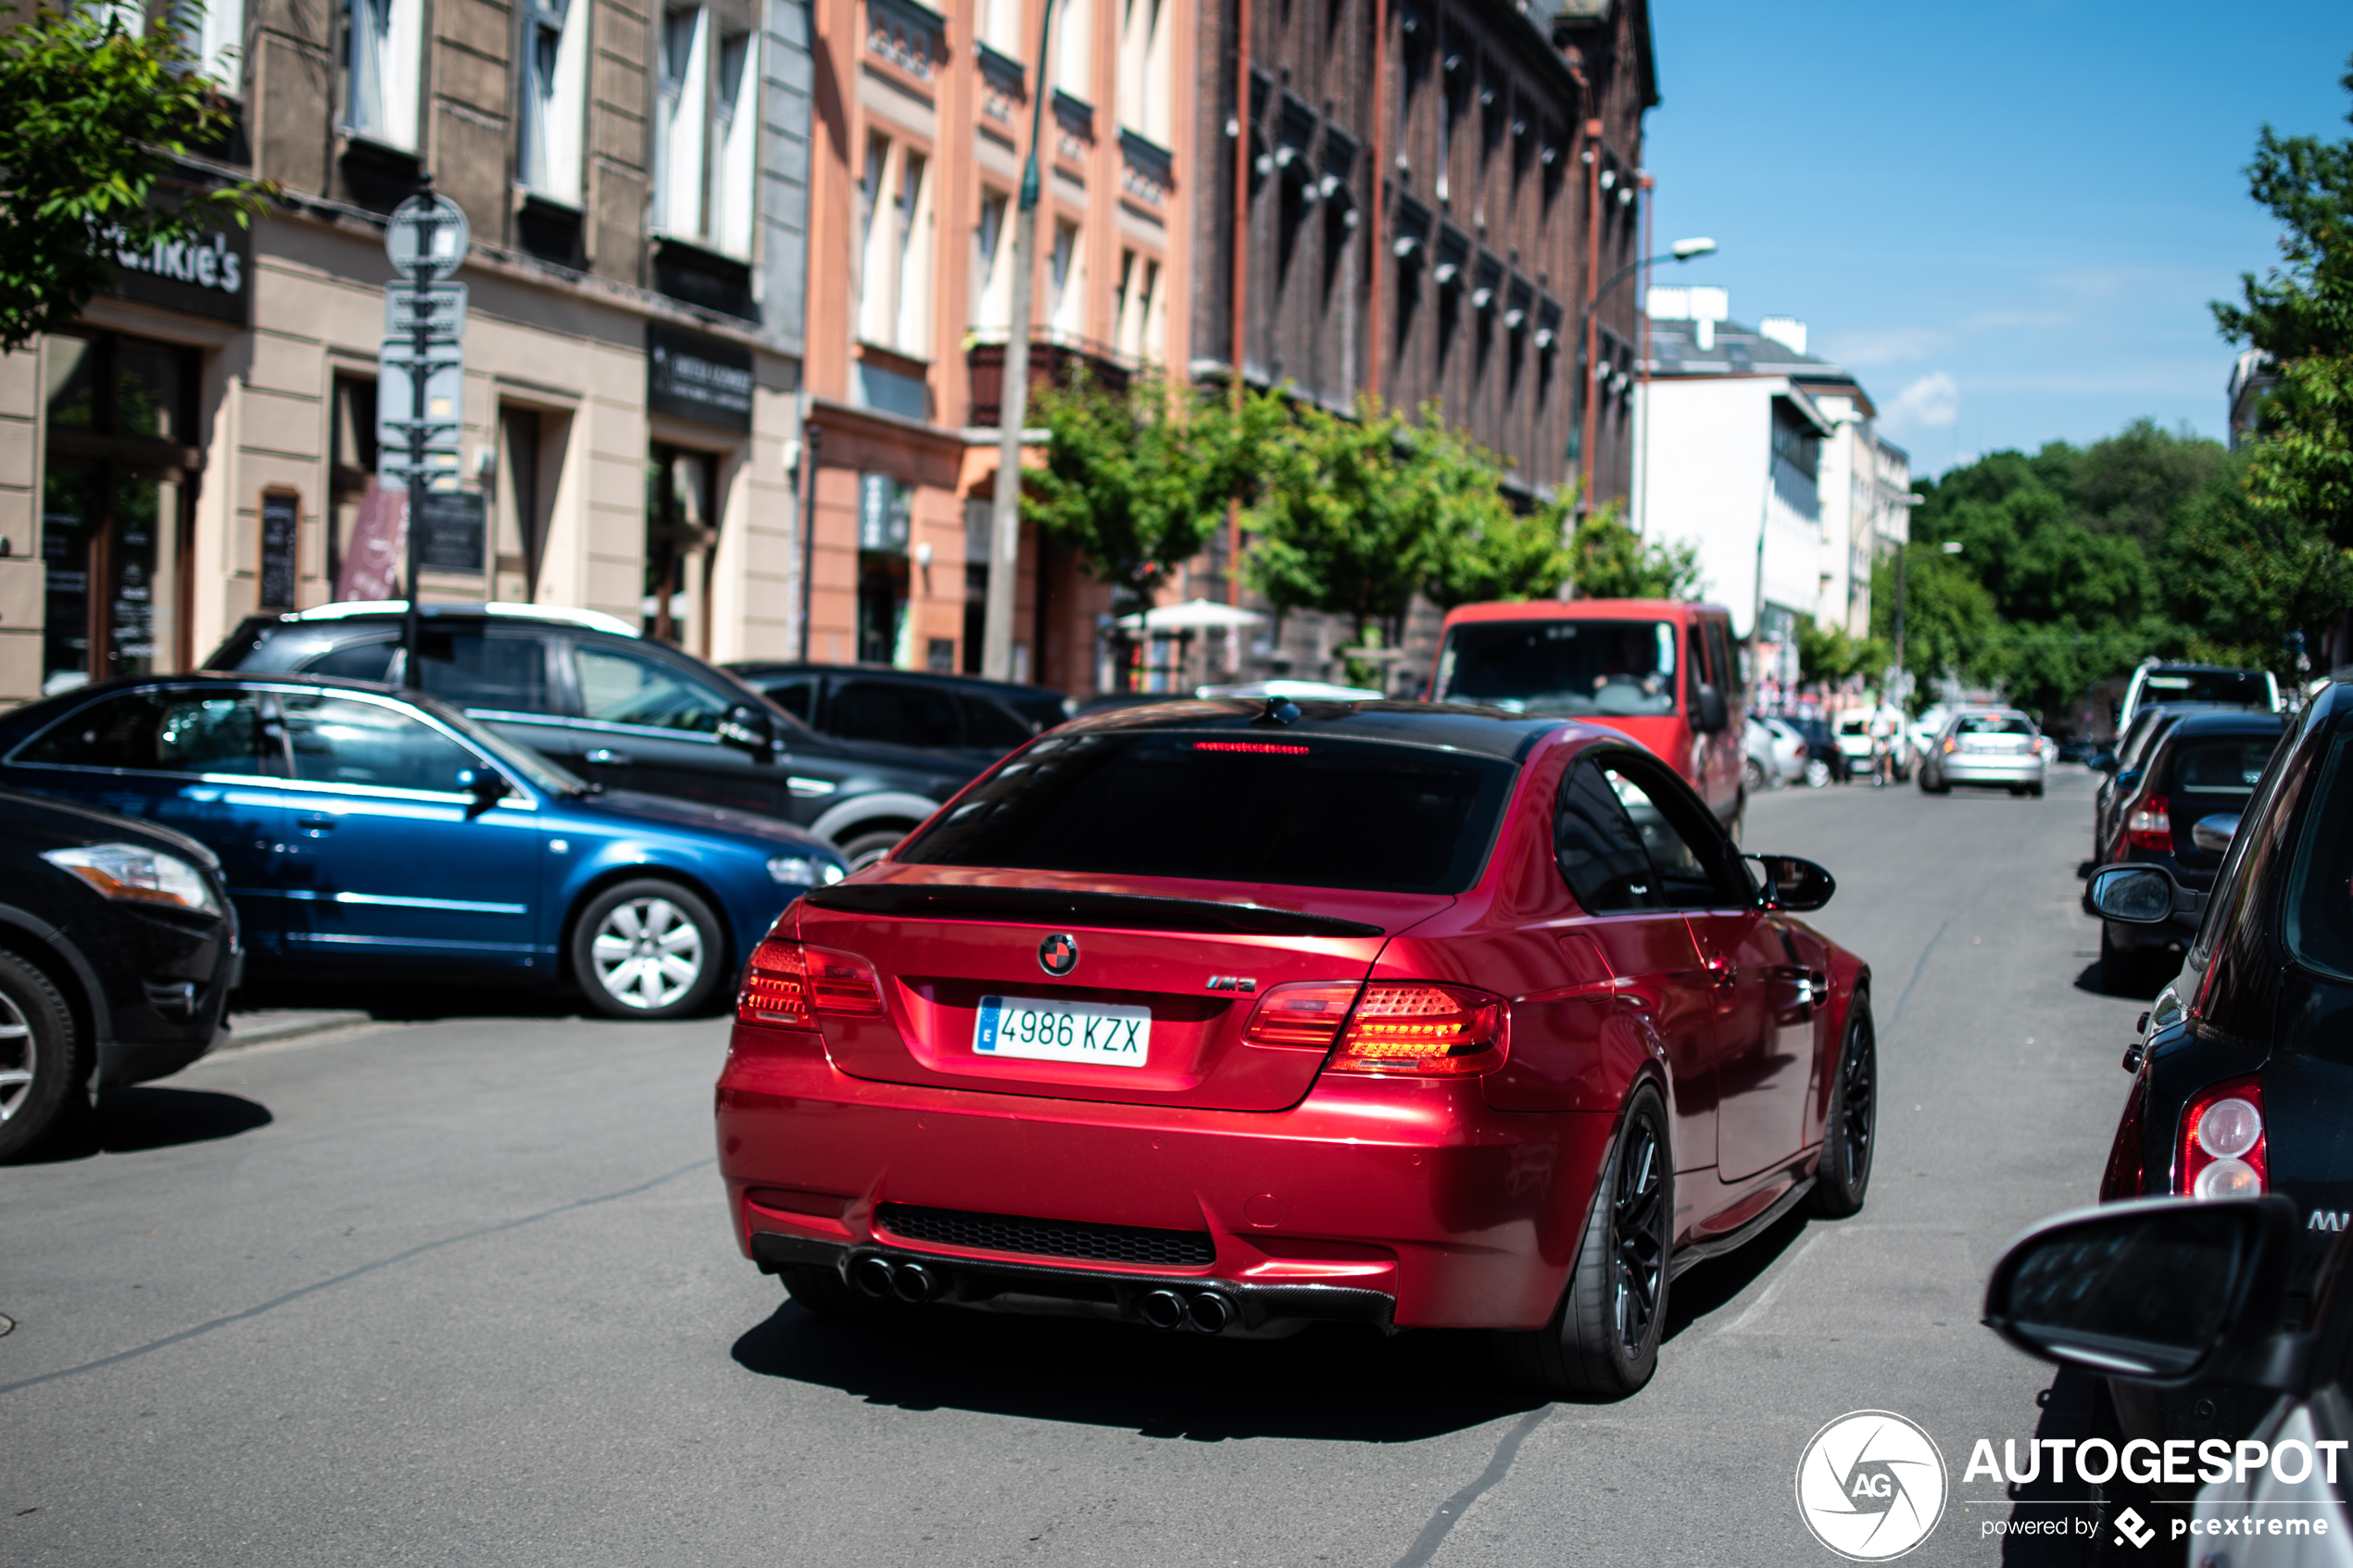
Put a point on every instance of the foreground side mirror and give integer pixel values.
(2214, 833)
(2130, 894)
(2171, 1291)
(2101, 762)
(1794, 885)
(746, 729)
(1714, 715)
(487, 785)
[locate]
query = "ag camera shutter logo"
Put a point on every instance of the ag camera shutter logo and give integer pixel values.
(1871, 1486)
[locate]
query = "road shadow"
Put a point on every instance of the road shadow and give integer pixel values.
(2073, 1407)
(412, 1002)
(128, 1121)
(1715, 1283)
(1338, 1382)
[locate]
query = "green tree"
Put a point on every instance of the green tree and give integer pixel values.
(1347, 521)
(1828, 653)
(2304, 305)
(1487, 551)
(1136, 480)
(1948, 614)
(1612, 561)
(94, 117)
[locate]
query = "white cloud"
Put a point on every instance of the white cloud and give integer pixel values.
(1934, 402)
(1862, 349)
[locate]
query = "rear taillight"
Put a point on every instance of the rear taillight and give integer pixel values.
(785, 980)
(1949, 744)
(1421, 1028)
(2223, 1152)
(1306, 1013)
(2150, 825)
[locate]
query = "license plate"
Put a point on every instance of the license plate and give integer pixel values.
(1050, 1031)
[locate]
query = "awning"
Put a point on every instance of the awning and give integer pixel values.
(1193, 615)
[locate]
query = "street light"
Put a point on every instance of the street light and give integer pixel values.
(1581, 434)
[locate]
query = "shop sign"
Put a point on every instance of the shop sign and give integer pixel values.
(449, 530)
(281, 532)
(210, 275)
(693, 376)
(886, 512)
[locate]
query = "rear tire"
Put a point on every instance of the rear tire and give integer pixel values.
(45, 1065)
(872, 845)
(1851, 1132)
(648, 948)
(1753, 775)
(1603, 1341)
(1817, 773)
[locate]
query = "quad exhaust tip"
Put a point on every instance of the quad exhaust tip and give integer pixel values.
(1203, 1312)
(879, 1279)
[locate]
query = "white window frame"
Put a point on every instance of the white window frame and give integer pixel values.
(682, 114)
(215, 32)
(384, 65)
(1075, 51)
(993, 263)
(551, 157)
(1066, 277)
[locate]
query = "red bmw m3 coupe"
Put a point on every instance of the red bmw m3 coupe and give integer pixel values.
(1225, 1017)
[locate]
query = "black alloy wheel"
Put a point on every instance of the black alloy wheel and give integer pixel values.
(1603, 1340)
(1848, 1138)
(45, 1060)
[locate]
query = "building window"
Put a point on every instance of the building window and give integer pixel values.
(383, 69)
(1066, 313)
(992, 264)
(555, 60)
(706, 129)
(1141, 313)
(894, 273)
(214, 31)
(886, 518)
(1144, 69)
(1000, 27)
(115, 508)
(1075, 51)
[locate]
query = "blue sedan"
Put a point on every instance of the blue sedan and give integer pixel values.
(364, 829)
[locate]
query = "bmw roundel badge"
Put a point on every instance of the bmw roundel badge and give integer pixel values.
(1058, 955)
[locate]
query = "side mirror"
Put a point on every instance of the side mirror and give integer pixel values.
(2101, 762)
(746, 729)
(1794, 885)
(2214, 833)
(487, 785)
(2130, 894)
(2128, 778)
(2171, 1291)
(1714, 715)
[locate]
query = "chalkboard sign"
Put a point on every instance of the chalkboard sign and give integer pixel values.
(451, 530)
(281, 525)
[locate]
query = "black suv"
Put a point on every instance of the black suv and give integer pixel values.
(623, 711)
(957, 715)
(117, 952)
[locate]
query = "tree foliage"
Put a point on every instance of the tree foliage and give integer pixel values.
(1612, 561)
(1348, 523)
(94, 116)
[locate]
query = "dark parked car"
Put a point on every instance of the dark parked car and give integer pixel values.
(2132, 750)
(1825, 763)
(361, 830)
(2244, 1072)
(959, 716)
(2202, 767)
(119, 948)
(621, 710)
(2198, 685)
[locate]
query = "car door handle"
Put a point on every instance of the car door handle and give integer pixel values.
(315, 822)
(604, 757)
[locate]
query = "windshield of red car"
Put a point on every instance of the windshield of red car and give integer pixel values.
(1575, 668)
(1251, 807)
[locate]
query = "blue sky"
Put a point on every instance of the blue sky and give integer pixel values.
(2006, 218)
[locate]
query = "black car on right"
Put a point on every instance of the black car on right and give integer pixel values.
(2242, 1074)
(2176, 808)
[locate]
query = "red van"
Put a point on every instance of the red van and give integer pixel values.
(1658, 669)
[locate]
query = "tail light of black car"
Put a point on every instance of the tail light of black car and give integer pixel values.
(788, 983)
(2223, 1152)
(1412, 1027)
(2149, 824)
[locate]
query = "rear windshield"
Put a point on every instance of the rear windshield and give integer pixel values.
(1227, 807)
(2222, 767)
(2242, 687)
(2319, 927)
(1992, 724)
(1575, 669)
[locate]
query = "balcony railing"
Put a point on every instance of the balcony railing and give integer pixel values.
(1050, 364)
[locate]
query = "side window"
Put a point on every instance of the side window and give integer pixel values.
(345, 740)
(793, 697)
(1609, 814)
(1720, 659)
(1695, 667)
(371, 661)
(487, 670)
(622, 686)
(158, 732)
(902, 712)
(985, 724)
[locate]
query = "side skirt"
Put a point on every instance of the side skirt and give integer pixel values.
(1716, 1245)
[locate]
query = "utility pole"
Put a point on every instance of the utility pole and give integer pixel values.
(1013, 402)
(1245, 118)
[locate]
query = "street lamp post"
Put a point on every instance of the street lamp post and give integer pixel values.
(1580, 438)
(1012, 401)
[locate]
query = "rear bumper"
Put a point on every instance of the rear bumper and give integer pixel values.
(1962, 768)
(1441, 1212)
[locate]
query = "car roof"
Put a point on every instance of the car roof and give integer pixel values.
(1485, 732)
(552, 615)
(66, 701)
(750, 666)
(1585, 609)
(2226, 721)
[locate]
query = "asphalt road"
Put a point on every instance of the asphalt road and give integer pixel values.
(460, 1290)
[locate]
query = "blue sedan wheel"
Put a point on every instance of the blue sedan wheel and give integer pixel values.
(647, 949)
